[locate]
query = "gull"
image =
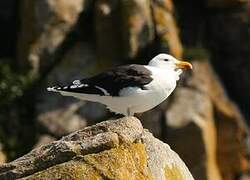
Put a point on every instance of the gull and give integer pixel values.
(129, 89)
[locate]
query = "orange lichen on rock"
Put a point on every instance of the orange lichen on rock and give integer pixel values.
(167, 30)
(173, 173)
(125, 162)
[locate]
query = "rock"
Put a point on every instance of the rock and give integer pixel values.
(230, 53)
(228, 47)
(3, 157)
(245, 177)
(159, 163)
(106, 16)
(44, 139)
(152, 120)
(138, 27)
(135, 29)
(44, 26)
(166, 28)
(69, 121)
(201, 114)
(143, 28)
(225, 3)
(114, 149)
(77, 63)
(8, 33)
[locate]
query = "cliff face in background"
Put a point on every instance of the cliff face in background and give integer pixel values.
(221, 26)
(57, 41)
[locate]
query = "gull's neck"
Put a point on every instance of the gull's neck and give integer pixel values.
(168, 69)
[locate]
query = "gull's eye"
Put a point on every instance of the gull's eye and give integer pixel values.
(166, 60)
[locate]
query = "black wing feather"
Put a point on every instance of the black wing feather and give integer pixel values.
(114, 80)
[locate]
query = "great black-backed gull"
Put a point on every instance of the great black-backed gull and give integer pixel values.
(131, 88)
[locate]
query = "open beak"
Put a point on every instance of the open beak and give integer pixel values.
(183, 65)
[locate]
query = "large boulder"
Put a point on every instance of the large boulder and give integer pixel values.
(114, 149)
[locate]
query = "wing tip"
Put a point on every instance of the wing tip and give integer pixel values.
(53, 89)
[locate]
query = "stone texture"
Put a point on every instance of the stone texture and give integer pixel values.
(78, 62)
(201, 114)
(143, 27)
(230, 53)
(134, 29)
(44, 139)
(69, 121)
(8, 21)
(106, 17)
(222, 27)
(159, 155)
(225, 3)
(138, 28)
(131, 162)
(44, 26)
(3, 157)
(153, 120)
(114, 149)
(166, 28)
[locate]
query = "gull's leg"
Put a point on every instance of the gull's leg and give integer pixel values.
(128, 112)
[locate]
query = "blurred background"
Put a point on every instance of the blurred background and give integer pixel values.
(48, 42)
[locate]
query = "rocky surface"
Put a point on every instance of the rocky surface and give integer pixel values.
(44, 26)
(166, 27)
(3, 157)
(202, 114)
(114, 149)
(44, 139)
(230, 53)
(59, 41)
(8, 34)
(69, 120)
(228, 47)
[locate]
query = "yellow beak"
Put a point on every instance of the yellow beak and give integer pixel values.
(183, 65)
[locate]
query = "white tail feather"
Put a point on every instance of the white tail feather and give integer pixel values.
(52, 89)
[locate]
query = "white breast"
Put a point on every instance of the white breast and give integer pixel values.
(139, 100)
(161, 87)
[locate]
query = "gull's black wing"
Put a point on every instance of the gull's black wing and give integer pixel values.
(112, 81)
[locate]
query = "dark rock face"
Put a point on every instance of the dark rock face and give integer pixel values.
(8, 33)
(222, 27)
(229, 44)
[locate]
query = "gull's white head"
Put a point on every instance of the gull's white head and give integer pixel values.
(167, 61)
